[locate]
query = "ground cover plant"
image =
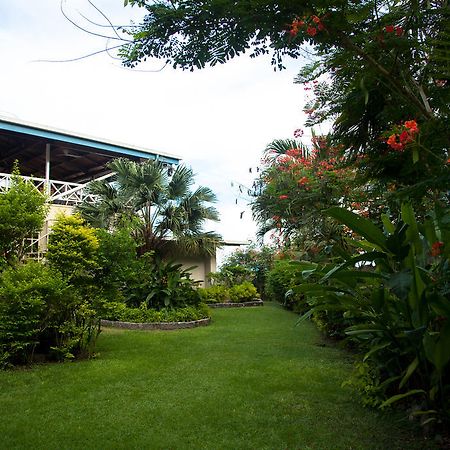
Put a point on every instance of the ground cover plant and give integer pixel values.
(251, 380)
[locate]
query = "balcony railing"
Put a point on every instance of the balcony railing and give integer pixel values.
(60, 192)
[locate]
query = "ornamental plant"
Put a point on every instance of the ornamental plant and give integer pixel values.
(298, 182)
(393, 298)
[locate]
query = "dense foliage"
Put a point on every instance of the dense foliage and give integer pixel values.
(164, 213)
(41, 314)
(22, 214)
(255, 260)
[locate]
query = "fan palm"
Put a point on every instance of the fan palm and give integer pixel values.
(165, 214)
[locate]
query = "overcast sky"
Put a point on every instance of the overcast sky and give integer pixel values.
(218, 120)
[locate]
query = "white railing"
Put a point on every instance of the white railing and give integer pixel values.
(35, 246)
(61, 192)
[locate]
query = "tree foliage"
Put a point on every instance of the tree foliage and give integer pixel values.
(166, 214)
(375, 64)
(22, 213)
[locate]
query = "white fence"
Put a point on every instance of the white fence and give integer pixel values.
(60, 192)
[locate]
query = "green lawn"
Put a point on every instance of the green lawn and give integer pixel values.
(251, 380)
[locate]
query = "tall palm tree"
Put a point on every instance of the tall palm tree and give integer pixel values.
(165, 214)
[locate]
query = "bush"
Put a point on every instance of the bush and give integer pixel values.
(117, 262)
(161, 284)
(214, 294)
(280, 280)
(244, 292)
(119, 311)
(73, 249)
(40, 312)
(230, 275)
(22, 213)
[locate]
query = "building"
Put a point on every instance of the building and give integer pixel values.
(62, 163)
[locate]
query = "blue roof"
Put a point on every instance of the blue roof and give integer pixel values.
(119, 149)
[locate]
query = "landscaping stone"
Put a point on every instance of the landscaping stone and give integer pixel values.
(155, 325)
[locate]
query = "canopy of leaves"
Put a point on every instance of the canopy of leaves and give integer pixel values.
(22, 213)
(166, 214)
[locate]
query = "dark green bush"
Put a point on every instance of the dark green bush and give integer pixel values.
(161, 284)
(244, 292)
(41, 313)
(280, 280)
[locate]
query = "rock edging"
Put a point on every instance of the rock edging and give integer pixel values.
(155, 325)
(236, 305)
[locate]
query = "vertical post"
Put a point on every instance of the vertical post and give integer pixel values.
(47, 169)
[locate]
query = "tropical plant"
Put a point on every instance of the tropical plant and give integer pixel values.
(160, 284)
(395, 293)
(297, 184)
(165, 214)
(22, 213)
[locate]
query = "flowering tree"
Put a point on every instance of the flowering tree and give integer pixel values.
(374, 64)
(297, 184)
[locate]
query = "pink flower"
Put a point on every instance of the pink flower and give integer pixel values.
(283, 197)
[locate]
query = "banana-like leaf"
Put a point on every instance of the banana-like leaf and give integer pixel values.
(358, 224)
(409, 371)
(396, 398)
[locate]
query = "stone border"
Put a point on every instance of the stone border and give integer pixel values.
(155, 325)
(236, 305)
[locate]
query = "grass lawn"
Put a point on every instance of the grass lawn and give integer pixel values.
(251, 380)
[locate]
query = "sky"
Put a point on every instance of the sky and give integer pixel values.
(218, 120)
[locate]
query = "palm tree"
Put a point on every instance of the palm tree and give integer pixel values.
(166, 216)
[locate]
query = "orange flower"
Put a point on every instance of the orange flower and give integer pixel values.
(405, 137)
(412, 126)
(315, 19)
(392, 142)
(436, 248)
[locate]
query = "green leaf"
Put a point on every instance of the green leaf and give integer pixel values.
(388, 225)
(398, 397)
(437, 348)
(363, 227)
(375, 349)
(409, 371)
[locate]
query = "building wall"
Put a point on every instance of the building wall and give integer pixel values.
(204, 265)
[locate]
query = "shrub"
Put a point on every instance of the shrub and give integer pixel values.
(40, 312)
(230, 275)
(397, 308)
(22, 213)
(214, 294)
(244, 292)
(161, 284)
(117, 262)
(73, 248)
(280, 280)
(146, 315)
(257, 260)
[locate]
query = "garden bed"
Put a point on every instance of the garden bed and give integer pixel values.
(155, 325)
(236, 305)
